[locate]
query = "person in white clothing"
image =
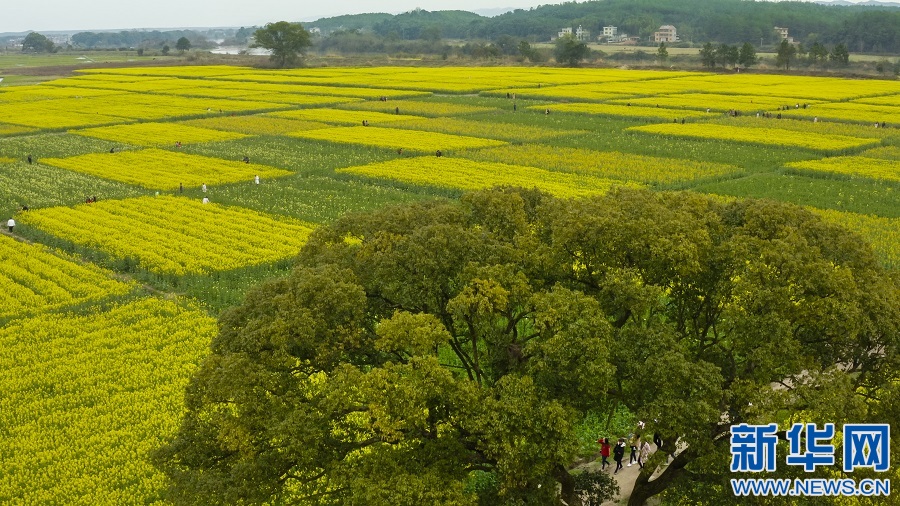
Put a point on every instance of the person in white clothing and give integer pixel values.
(256, 179)
(203, 187)
(11, 224)
(205, 200)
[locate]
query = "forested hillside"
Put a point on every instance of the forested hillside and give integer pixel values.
(860, 28)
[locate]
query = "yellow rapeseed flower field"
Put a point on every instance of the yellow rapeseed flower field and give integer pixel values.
(464, 174)
(849, 111)
(343, 117)
(175, 235)
(159, 169)
(84, 399)
(256, 124)
(622, 110)
(860, 166)
(417, 107)
(769, 136)
(395, 138)
(714, 101)
(158, 134)
(607, 164)
(882, 233)
(485, 129)
(885, 152)
(34, 279)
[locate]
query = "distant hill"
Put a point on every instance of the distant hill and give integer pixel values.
(870, 3)
(870, 27)
(348, 22)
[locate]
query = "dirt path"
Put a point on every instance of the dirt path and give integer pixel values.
(626, 477)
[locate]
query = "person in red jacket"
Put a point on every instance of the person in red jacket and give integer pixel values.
(605, 448)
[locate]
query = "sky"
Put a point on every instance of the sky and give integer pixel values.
(67, 15)
(63, 15)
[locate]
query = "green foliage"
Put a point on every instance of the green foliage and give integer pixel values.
(183, 44)
(315, 199)
(838, 193)
(747, 55)
(708, 55)
(617, 421)
(36, 43)
(596, 487)
(839, 56)
(861, 28)
(298, 155)
(37, 186)
(569, 51)
(529, 53)
(662, 54)
(727, 55)
(416, 346)
(786, 55)
(287, 41)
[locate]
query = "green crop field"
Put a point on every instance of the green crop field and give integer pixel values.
(201, 228)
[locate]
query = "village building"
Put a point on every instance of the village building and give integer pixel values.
(611, 35)
(578, 33)
(783, 33)
(666, 33)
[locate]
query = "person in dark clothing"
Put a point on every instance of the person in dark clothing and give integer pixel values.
(29, 159)
(619, 454)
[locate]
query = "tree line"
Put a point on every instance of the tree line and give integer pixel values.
(858, 28)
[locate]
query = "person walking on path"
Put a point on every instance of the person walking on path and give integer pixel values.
(605, 448)
(644, 453)
(11, 224)
(634, 443)
(619, 454)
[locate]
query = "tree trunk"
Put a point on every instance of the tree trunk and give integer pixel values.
(565, 479)
(645, 489)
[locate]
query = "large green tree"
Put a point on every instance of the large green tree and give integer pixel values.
(443, 352)
(570, 51)
(287, 41)
(785, 55)
(747, 55)
(183, 44)
(708, 55)
(37, 43)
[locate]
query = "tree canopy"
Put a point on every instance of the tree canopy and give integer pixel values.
(419, 349)
(37, 43)
(183, 44)
(570, 51)
(287, 41)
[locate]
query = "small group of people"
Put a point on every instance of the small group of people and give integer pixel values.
(640, 452)
(365, 122)
(90, 199)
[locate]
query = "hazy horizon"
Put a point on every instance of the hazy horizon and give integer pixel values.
(64, 15)
(60, 15)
